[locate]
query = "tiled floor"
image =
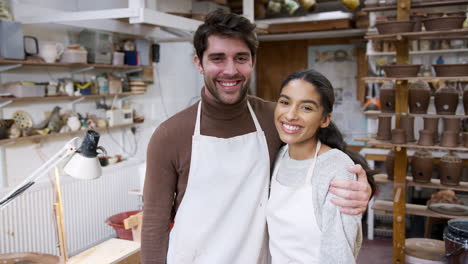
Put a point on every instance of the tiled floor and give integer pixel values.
(377, 251)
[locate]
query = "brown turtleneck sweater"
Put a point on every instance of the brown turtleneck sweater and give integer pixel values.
(168, 161)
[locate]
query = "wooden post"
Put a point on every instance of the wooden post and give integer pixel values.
(60, 222)
(399, 186)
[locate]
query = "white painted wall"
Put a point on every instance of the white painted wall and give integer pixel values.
(176, 85)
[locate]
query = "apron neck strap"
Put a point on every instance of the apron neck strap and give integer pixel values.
(310, 172)
(197, 123)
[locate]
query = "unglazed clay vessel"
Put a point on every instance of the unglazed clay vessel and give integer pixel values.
(384, 128)
(407, 124)
(450, 169)
(465, 139)
(465, 100)
(389, 164)
(432, 123)
(451, 124)
(426, 137)
(398, 136)
(446, 101)
(422, 165)
(387, 97)
(449, 139)
(419, 95)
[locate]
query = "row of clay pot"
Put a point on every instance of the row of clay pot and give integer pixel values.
(419, 93)
(429, 136)
(422, 165)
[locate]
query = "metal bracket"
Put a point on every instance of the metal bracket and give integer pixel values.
(9, 67)
(83, 69)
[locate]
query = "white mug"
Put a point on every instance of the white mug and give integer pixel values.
(51, 51)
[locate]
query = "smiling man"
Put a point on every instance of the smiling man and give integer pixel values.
(208, 166)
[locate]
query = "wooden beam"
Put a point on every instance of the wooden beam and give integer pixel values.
(309, 26)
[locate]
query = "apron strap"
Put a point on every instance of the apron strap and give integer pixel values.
(196, 132)
(310, 172)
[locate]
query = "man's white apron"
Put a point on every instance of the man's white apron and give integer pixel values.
(221, 219)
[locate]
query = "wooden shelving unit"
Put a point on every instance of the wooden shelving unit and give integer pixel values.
(411, 209)
(413, 145)
(413, 79)
(65, 98)
(56, 135)
(379, 113)
(417, 5)
(419, 52)
(434, 184)
(449, 34)
(71, 65)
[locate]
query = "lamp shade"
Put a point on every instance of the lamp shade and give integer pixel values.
(84, 168)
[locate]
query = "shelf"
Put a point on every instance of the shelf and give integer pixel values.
(455, 33)
(411, 209)
(387, 144)
(417, 5)
(71, 65)
(419, 52)
(64, 98)
(413, 79)
(434, 184)
(379, 113)
(55, 135)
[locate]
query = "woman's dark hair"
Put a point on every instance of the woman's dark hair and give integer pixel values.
(330, 135)
(222, 23)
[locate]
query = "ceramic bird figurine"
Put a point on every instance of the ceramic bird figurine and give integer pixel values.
(54, 120)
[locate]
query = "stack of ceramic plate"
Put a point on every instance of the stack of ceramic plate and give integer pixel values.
(137, 86)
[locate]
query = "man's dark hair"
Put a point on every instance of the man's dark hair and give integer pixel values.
(225, 24)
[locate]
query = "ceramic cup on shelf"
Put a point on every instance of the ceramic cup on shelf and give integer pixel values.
(398, 136)
(432, 123)
(384, 128)
(449, 139)
(51, 51)
(407, 124)
(426, 137)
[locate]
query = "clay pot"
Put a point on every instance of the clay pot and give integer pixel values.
(444, 23)
(450, 169)
(407, 124)
(387, 97)
(422, 166)
(419, 95)
(444, 70)
(432, 123)
(392, 27)
(446, 101)
(389, 164)
(402, 70)
(465, 101)
(398, 136)
(465, 139)
(384, 128)
(449, 139)
(426, 137)
(451, 124)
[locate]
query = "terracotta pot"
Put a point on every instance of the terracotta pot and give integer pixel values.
(451, 124)
(444, 70)
(426, 137)
(419, 96)
(407, 124)
(389, 164)
(422, 166)
(465, 101)
(392, 27)
(402, 70)
(398, 136)
(384, 128)
(432, 123)
(449, 139)
(387, 97)
(446, 101)
(465, 139)
(450, 169)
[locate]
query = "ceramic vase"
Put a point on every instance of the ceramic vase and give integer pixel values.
(432, 123)
(426, 137)
(422, 165)
(446, 101)
(419, 96)
(387, 97)
(384, 128)
(450, 169)
(407, 124)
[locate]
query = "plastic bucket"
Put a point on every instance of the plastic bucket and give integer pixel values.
(456, 241)
(116, 221)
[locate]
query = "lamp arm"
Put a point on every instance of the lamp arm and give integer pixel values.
(66, 151)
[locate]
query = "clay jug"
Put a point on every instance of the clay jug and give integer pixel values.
(387, 97)
(426, 137)
(384, 128)
(450, 169)
(407, 124)
(398, 136)
(419, 95)
(446, 101)
(422, 165)
(389, 164)
(432, 123)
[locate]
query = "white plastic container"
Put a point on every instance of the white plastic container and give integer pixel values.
(24, 89)
(74, 56)
(118, 58)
